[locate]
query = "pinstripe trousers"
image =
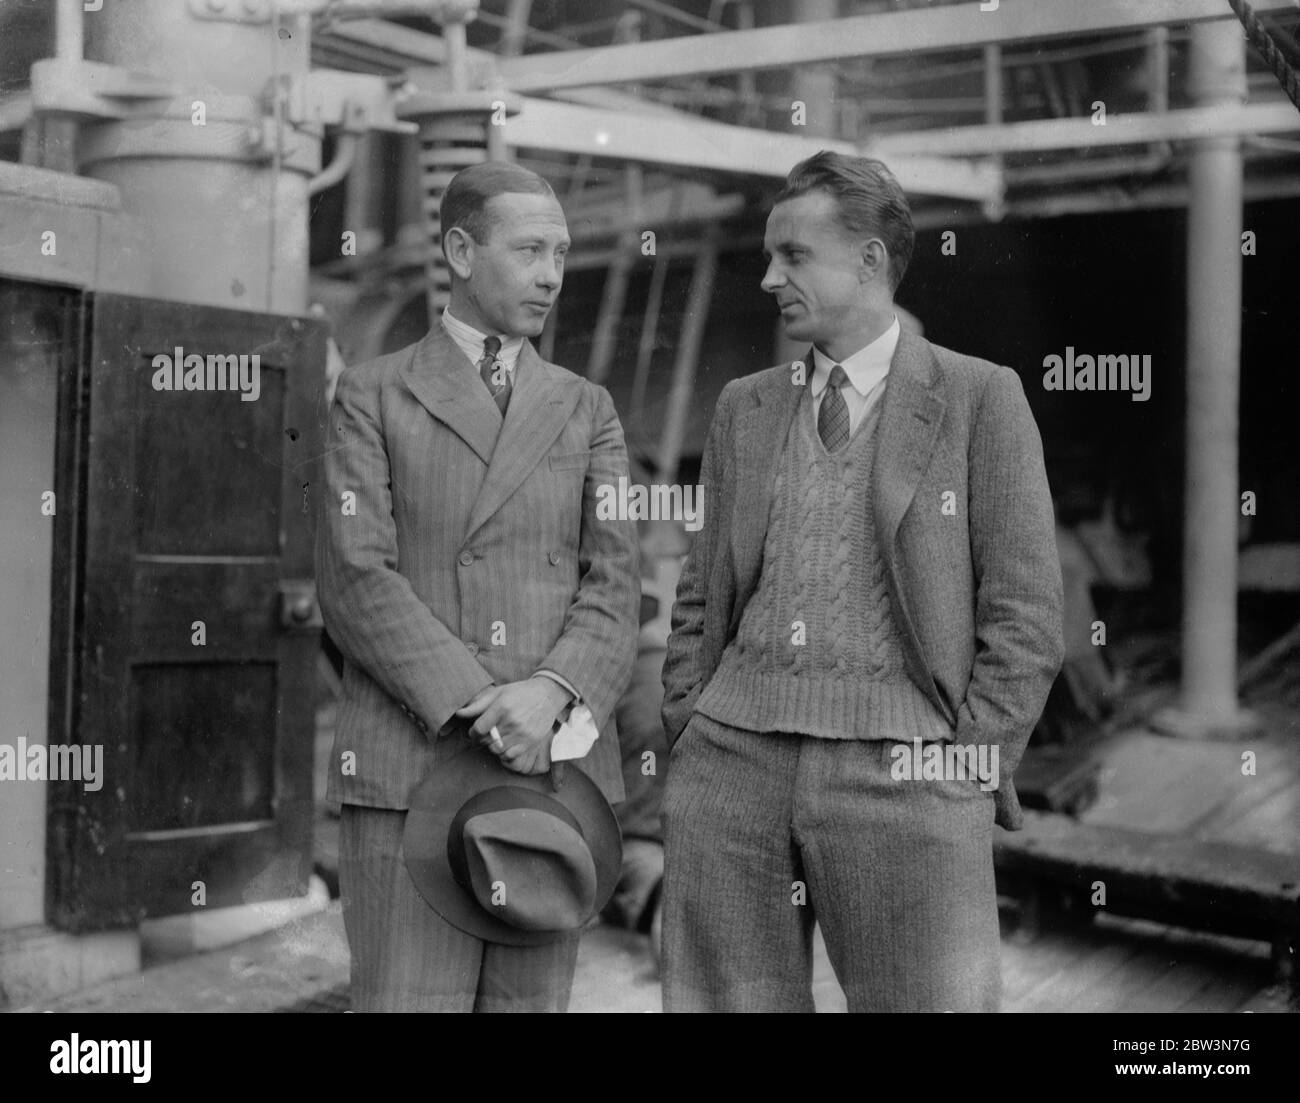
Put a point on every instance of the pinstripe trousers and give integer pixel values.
(767, 833)
(406, 957)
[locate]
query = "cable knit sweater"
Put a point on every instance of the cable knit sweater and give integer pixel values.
(817, 651)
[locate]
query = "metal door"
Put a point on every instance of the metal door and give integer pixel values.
(193, 625)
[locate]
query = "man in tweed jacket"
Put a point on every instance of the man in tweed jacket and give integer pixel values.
(877, 577)
(469, 584)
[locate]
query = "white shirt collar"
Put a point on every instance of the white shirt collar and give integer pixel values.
(865, 368)
(470, 341)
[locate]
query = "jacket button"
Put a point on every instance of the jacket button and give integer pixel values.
(472, 648)
(466, 558)
(553, 557)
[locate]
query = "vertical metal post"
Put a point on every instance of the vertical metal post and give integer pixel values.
(361, 196)
(649, 333)
(515, 34)
(994, 97)
(604, 340)
(688, 355)
(815, 84)
(51, 141)
(69, 33)
(1157, 51)
(1208, 702)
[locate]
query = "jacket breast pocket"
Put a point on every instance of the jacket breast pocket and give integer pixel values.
(570, 461)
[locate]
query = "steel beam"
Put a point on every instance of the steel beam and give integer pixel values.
(924, 30)
(404, 46)
(702, 144)
(1138, 128)
(663, 207)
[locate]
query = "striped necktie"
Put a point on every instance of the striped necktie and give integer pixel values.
(494, 374)
(833, 417)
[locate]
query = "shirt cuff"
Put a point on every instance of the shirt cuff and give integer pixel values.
(561, 682)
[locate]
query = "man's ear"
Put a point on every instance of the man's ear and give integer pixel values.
(875, 260)
(458, 248)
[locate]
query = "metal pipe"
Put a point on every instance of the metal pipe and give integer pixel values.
(668, 11)
(1034, 135)
(1214, 225)
(516, 30)
(645, 347)
(1102, 199)
(1155, 160)
(947, 27)
(704, 144)
(1157, 51)
(345, 154)
(604, 338)
(815, 85)
(604, 341)
(682, 250)
(453, 35)
(751, 112)
(69, 33)
(688, 355)
(994, 97)
(361, 202)
(1066, 171)
(52, 141)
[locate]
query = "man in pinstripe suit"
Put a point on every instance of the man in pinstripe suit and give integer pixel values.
(469, 585)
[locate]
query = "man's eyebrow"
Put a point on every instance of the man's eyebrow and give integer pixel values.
(540, 239)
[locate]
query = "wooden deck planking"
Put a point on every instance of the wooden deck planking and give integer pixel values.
(1244, 802)
(1195, 972)
(1027, 964)
(1170, 985)
(1267, 1001)
(1162, 785)
(1133, 965)
(1274, 824)
(1083, 987)
(1222, 993)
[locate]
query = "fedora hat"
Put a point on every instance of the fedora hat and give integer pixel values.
(511, 858)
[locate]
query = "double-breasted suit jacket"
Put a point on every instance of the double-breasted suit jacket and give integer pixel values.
(975, 588)
(456, 550)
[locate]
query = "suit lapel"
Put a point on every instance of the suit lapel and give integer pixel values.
(448, 386)
(760, 434)
(541, 403)
(909, 426)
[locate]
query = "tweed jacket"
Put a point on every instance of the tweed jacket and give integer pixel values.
(975, 589)
(472, 554)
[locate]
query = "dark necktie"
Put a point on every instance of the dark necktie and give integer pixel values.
(494, 374)
(833, 417)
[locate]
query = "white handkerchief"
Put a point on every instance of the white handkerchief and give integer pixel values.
(576, 735)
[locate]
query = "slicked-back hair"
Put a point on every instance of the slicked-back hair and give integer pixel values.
(464, 203)
(868, 200)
